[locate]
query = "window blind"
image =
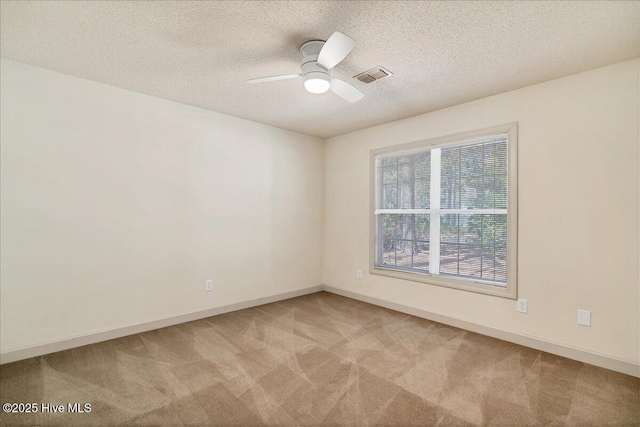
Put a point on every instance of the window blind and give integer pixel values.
(443, 210)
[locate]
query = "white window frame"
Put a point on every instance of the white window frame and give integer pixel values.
(484, 287)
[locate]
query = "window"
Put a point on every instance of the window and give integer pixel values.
(445, 211)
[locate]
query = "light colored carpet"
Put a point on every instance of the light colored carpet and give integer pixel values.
(319, 359)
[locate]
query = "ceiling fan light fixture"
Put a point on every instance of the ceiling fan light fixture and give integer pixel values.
(317, 82)
(319, 57)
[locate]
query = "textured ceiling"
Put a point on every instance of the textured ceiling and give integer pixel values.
(201, 53)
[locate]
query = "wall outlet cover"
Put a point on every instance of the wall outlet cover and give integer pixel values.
(208, 285)
(584, 317)
(523, 305)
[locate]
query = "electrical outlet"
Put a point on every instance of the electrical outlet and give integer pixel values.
(584, 318)
(523, 306)
(208, 285)
(358, 274)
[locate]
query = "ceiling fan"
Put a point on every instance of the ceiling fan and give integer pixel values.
(316, 68)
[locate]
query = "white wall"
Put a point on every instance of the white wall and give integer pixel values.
(578, 210)
(117, 206)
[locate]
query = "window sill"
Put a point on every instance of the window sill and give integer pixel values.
(466, 285)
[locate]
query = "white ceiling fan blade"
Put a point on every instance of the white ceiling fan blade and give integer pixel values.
(335, 50)
(345, 90)
(273, 78)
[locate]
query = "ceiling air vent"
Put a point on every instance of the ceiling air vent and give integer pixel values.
(373, 74)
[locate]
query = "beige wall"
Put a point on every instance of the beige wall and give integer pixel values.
(578, 210)
(116, 207)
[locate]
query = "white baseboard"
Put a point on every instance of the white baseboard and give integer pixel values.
(575, 353)
(78, 341)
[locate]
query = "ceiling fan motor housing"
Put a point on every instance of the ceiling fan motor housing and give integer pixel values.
(316, 79)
